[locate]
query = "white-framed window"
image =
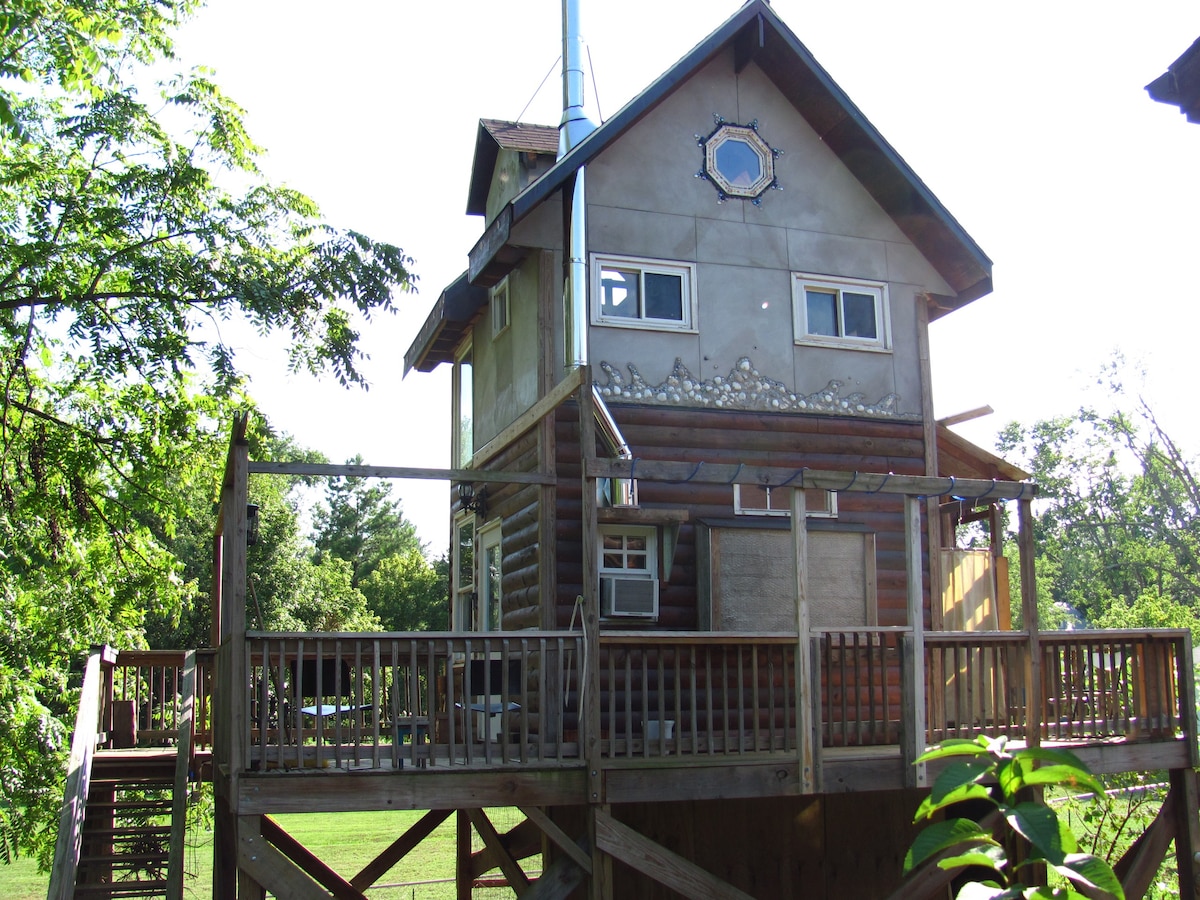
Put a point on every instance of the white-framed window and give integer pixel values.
(628, 557)
(500, 307)
(643, 293)
(489, 611)
(760, 500)
(841, 312)
(464, 608)
(463, 439)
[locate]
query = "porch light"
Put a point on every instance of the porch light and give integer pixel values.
(476, 502)
(251, 524)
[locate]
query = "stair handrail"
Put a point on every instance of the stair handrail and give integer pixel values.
(79, 774)
(183, 766)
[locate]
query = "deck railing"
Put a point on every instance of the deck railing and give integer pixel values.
(428, 700)
(700, 694)
(143, 697)
(384, 700)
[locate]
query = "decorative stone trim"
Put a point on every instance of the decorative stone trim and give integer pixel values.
(743, 388)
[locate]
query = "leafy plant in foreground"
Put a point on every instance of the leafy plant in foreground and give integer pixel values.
(984, 769)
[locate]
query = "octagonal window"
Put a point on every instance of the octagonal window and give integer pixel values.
(739, 162)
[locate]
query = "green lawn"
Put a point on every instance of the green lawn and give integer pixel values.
(345, 841)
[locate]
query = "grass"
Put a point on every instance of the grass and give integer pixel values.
(344, 841)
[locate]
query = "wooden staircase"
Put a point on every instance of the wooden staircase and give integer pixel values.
(124, 814)
(127, 824)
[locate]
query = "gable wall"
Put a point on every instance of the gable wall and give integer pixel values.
(644, 200)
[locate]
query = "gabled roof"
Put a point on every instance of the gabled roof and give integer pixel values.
(1180, 84)
(758, 35)
(960, 458)
(495, 135)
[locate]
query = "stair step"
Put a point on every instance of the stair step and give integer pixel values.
(118, 833)
(125, 860)
(156, 888)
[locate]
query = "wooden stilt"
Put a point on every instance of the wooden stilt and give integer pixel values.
(1187, 831)
(462, 858)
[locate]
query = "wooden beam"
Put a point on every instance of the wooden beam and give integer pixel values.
(478, 476)
(399, 848)
(462, 856)
(545, 406)
(75, 792)
(517, 880)
(773, 476)
(271, 868)
(1029, 621)
(1187, 828)
(662, 865)
(560, 838)
(1138, 867)
(806, 746)
(558, 882)
(966, 416)
(914, 663)
(520, 842)
(308, 862)
(589, 714)
(179, 791)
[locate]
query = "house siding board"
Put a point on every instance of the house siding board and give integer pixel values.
(751, 438)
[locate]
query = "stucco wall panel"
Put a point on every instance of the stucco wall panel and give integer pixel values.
(750, 245)
(906, 264)
(835, 254)
(639, 233)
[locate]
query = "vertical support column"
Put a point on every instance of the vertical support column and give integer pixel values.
(914, 664)
(806, 744)
(552, 703)
(1029, 619)
(599, 888)
(229, 700)
(462, 858)
(1187, 832)
(933, 516)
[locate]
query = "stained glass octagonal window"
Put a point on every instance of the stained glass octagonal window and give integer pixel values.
(738, 161)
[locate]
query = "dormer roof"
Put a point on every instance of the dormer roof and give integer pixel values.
(495, 135)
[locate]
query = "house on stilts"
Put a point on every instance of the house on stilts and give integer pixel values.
(707, 604)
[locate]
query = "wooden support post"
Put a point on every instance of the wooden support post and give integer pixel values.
(600, 885)
(1029, 618)
(183, 760)
(1187, 829)
(933, 517)
(589, 726)
(805, 744)
(230, 678)
(914, 663)
(462, 857)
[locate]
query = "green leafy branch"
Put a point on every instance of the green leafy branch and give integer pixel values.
(984, 769)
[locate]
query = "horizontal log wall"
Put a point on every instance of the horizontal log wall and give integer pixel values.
(732, 437)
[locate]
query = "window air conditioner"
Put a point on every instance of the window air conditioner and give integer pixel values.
(621, 595)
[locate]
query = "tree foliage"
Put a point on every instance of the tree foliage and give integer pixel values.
(1118, 537)
(134, 227)
(362, 524)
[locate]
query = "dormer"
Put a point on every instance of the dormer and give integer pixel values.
(509, 156)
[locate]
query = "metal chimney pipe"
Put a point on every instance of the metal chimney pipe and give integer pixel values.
(574, 127)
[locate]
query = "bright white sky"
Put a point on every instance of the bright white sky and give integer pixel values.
(1029, 120)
